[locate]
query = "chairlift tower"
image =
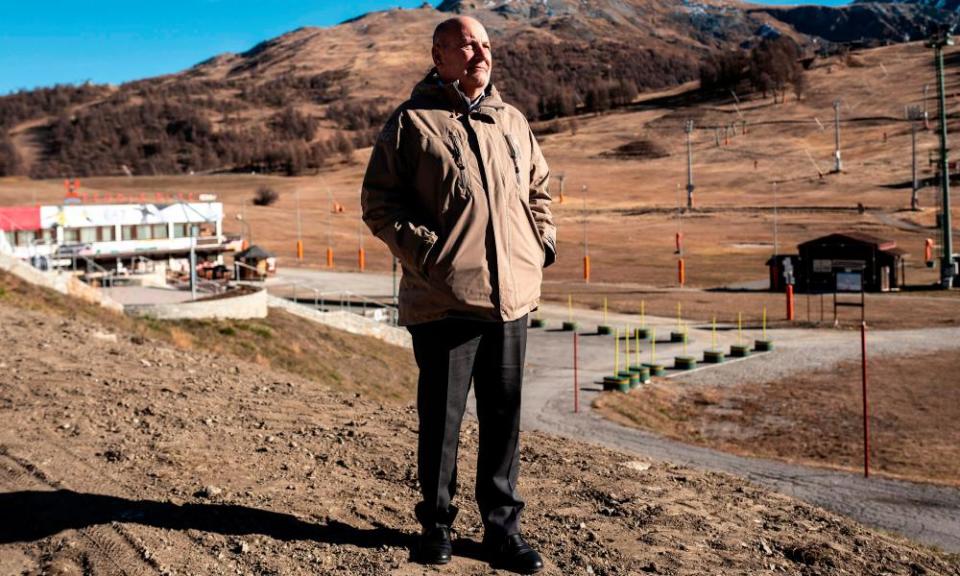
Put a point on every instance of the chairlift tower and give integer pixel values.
(914, 114)
(947, 271)
(837, 164)
(688, 128)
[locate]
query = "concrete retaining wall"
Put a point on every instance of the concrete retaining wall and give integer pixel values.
(346, 321)
(236, 307)
(62, 282)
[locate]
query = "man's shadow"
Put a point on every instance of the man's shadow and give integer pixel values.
(32, 515)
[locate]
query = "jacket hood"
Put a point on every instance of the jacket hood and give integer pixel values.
(432, 89)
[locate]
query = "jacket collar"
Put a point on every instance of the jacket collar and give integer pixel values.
(451, 98)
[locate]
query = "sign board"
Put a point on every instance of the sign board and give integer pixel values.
(849, 282)
(825, 266)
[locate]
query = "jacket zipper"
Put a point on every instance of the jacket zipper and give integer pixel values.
(461, 165)
(515, 156)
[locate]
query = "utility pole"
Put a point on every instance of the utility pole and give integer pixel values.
(914, 115)
(688, 128)
(837, 165)
(947, 271)
(776, 239)
(926, 117)
(586, 248)
(299, 228)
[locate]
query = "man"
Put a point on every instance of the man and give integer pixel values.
(457, 189)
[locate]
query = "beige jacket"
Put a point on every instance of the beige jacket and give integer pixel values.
(461, 200)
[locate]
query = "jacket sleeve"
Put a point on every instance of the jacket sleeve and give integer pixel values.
(540, 201)
(388, 201)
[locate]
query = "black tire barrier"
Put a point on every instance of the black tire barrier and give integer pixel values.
(763, 345)
(604, 329)
(569, 326)
(739, 350)
(684, 362)
(643, 373)
(712, 356)
(641, 333)
(618, 383)
(678, 336)
(655, 369)
(538, 323)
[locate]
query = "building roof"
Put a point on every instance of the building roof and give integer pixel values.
(253, 253)
(881, 244)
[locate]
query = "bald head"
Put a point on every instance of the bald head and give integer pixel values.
(452, 27)
(461, 51)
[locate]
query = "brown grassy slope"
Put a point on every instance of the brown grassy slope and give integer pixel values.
(631, 222)
(281, 341)
(816, 418)
(727, 244)
(181, 464)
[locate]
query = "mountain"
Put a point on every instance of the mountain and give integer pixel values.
(309, 97)
(867, 21)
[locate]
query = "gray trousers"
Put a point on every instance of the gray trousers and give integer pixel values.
(449, 353)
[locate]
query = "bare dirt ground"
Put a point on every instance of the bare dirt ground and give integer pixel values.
(123, 454)
(815, 417)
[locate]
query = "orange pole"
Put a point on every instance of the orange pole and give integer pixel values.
(300, 250)
(681, 272)
(329, 257)
(362, 259)
(586, 268)
(789, 301)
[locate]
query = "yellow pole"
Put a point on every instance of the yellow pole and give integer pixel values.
(569, 308)
(653, 346)
(604, 309)
(684, 340)
(764, 322)
(643, 315)
(679, 327)
(616, 354)
(626, 350)
(740, 328)
(637, 335)
(713, 340)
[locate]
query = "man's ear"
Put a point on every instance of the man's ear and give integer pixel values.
(437, 56)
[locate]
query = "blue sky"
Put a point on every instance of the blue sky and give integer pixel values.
(44, 42)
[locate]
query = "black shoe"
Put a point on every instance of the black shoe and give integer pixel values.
(435, 547)
(514, 554)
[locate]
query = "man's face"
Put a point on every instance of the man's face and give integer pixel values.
(464, 55)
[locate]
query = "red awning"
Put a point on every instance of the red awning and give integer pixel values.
(19, 218)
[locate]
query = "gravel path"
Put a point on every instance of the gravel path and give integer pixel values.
(930, 514)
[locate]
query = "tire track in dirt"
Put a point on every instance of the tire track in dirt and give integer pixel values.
(120, 547)
(108, 551)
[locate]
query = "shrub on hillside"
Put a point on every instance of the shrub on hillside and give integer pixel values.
(265, 196)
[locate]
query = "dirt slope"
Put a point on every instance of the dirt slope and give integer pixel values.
(126, 456)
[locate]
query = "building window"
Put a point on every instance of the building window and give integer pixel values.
(25, 236)
(159, 231)
(88, 235)
(128, 232)
(143, 232)
(11, 239)
(49, 235)
(71, 235)
(180, 230)
(106, 234)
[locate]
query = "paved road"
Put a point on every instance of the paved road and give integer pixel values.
(926, 513)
